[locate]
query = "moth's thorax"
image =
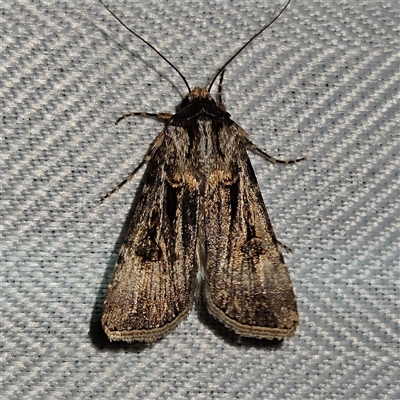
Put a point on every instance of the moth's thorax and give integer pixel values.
(201, 135)
(203, 145)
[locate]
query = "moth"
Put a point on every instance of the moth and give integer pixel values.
(200, 225)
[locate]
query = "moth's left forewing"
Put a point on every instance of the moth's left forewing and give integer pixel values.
(154, 281)
(247, 285)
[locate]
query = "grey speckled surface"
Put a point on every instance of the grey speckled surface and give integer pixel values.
(322, 81)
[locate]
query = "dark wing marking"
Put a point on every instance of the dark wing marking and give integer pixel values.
(154, 279)
(247, 285)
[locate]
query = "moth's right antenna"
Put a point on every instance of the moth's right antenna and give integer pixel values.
(148, 44)
(247, 43)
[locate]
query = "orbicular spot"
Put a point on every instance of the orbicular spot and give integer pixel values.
(148, 249)
(253, 248)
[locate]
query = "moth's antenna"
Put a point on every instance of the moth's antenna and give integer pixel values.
(247, 43)
(148, 44)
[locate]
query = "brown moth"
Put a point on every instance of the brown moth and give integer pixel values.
(200, 225)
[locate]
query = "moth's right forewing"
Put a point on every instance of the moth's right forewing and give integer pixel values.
(153, 284)
(247, 284)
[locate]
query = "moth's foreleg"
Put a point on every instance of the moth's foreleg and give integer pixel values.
(144, 114)
(271, 159)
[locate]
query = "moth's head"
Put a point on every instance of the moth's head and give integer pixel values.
(199, 94)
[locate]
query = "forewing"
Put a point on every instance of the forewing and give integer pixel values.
(247, 285)
(152, 288)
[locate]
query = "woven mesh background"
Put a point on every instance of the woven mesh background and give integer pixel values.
(322, 81)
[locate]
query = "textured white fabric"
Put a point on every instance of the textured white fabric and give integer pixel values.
(322, 82)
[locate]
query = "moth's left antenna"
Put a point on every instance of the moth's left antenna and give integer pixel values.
(148, 44)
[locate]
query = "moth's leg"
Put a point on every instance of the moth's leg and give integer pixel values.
(126, 179)
(271, 159)
(284, 247)
(220, 101)
(153, 148)
(149, 154)
(144, 114)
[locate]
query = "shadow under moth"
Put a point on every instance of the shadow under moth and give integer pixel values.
(200, 225)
